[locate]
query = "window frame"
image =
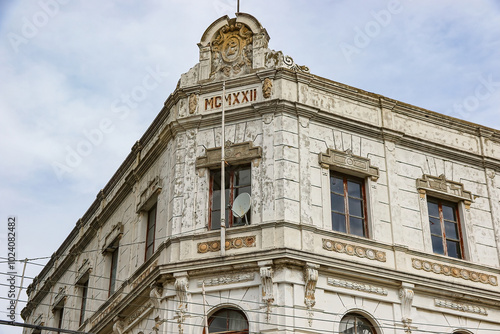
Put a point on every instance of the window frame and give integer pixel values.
(83, 305)
(357, 316)
(227, 309)
(113, 272)
(458, 222)
(231, 170)
(149, 229)
(345, 179)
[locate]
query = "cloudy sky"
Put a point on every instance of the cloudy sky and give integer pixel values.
(67, 65)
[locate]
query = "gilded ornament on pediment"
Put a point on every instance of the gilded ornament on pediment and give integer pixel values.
(232, 50)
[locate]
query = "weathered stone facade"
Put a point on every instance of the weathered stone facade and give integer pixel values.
(287, 271)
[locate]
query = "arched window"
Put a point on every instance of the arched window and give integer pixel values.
(228, 320)
(354, 323)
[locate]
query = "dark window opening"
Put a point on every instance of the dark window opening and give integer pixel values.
(445, 228)
(228, 321)
(348, 204)
(356, 324)
(114, 269)
(83, 306)
(150, 234)
(237, 181)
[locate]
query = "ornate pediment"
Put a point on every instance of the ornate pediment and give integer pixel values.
(235, 154)
(441, 187)
(232, 50)
(348, 163)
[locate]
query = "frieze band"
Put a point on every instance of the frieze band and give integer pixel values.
(460, 307)
(454, 271)
(228, 279)
(357, 286)
(214, 246)
(353, 250)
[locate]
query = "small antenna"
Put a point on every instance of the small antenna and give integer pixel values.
(238, 7)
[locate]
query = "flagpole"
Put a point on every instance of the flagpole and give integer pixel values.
(223, 180)
(205, 321)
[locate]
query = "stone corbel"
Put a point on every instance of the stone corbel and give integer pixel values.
(310, 279)
(118, 325)
(266, 275)
(155, 296)
(181, 289)
(406, 295)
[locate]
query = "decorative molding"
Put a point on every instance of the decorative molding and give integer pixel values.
(148, 196)
(267, 88)
(357, 286)
(139, 312)
(112, 238)
(460, 307)
(38, 322)
(238, 153)
(118, 325)
(354, 250)
(227, 279)
(155, 296)
(446, 270)
(232, 243)
(193, 103)
(232, 50)
(406, 295)
(83, 272)
(181, 289)
(346, 162)
(440, 186)
(59, 299)
(144, 274)
(310, 278)
(289, 63)
(266, 276)
(101, 315)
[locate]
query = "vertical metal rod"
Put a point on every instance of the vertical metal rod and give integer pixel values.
(238, 8)
(223, 179)
(205, 320)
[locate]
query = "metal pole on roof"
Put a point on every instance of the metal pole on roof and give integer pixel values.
(223, 179)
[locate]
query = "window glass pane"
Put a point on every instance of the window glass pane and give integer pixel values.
(435, 226)
(218, 324)
(337, 203)
(433, 209)
(448, 212)
(338, 222)
(242, 177)
(236, 321)
(242, 190)
(354, 189)
(355, 207)
(347, 325)
(216, 200)
(336, 185)
(356, 226)
(437, 245)
(453, 248)
(216, 180)
(451, 230)
(215, 220)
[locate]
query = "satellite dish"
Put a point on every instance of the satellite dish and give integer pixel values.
(241, 205)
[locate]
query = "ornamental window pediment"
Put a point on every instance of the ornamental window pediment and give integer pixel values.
(348, 163)
(439, 186)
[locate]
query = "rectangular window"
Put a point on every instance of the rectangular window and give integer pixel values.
(113, 272)
(445, 228)
(150, 234)
(237, 181)
(59, 317)
(348, 204)
(83, 306)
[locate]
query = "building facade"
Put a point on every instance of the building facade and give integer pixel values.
(367, 215)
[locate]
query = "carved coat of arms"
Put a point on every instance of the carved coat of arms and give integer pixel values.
(231, 51)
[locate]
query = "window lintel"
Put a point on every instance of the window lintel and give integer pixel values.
(149, 195)
(112, 238)
(440, 187)
(235, 154)
(348, 163)
(59, 300)
(83, 273)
